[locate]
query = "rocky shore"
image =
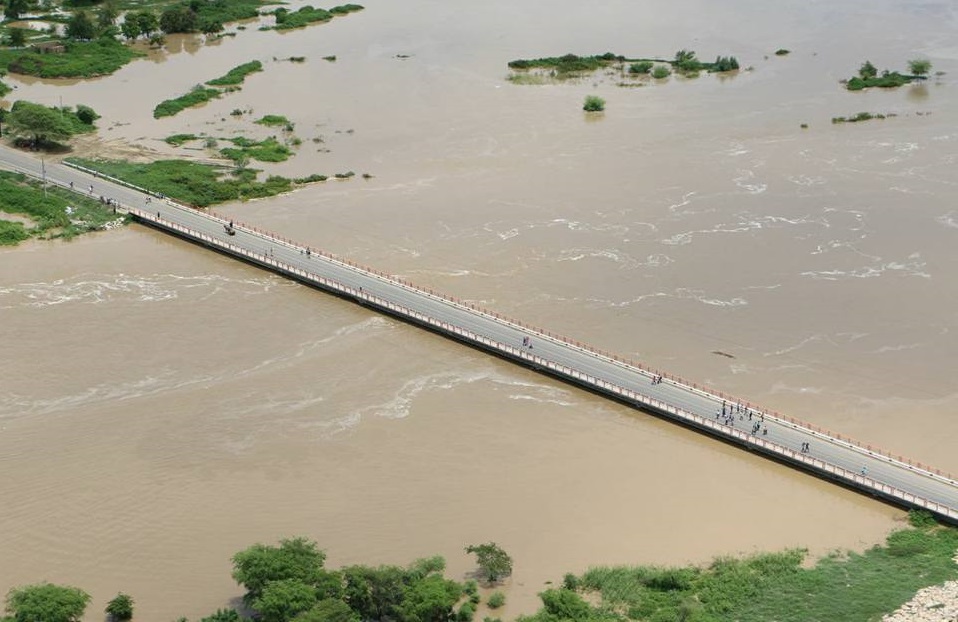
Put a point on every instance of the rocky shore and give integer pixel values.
(938, 603)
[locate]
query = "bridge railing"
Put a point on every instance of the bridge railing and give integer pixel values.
(637, 367)
(640, 399)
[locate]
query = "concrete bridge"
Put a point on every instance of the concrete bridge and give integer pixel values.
(826, 454)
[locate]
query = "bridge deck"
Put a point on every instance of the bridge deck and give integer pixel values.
(829, 455)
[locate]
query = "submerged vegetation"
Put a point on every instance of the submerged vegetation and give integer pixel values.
(236, 75)
(593, 103)
(54, 212)
(288, 20)
(861, 116)
(572, 66)
(192, 183)
(198, 95)
(269, 150)
(868, 76)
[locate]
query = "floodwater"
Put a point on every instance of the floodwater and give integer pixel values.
(163, 407)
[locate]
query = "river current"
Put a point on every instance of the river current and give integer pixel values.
(162, 407)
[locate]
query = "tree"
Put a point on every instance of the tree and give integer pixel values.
(81, 26)
(15, 8)
(40, 122)
(374, 593)
(120, 608)
(178, 19)
(17, 37)
(47, 602)
(867, 70)
(222, 615)
(260, 564)
(430, 600)
(130, 28)
(919, 67)
(147, 21)
(493, 561)
(211, 26)
(281, 601)
(593, 103)
(328, 610)
(86, 114)
(107, 15)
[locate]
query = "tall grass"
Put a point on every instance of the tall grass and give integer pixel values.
(775, 586)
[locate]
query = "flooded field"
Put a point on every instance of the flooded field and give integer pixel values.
(163, 407)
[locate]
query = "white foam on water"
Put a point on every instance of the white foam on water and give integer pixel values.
(898, 348)
(806, 180)
(96, 289)
(913, 267)
(745, 176)
(949, 220)
(399, 405)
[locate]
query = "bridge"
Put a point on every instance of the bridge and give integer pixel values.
(828, 455)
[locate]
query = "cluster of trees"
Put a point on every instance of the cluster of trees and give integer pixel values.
(38, 125)
(46, 602)
(290, 583)
(686, 62)
(869, 76)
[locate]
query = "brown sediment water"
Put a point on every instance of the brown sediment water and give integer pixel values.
(163, 407)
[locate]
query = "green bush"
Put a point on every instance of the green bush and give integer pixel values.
(643, 66)
(12, 233)
(782, 52)
(593, 103)
(272, 119)
(120, 608)
(660, 72)
(496, 600)
(921, 519)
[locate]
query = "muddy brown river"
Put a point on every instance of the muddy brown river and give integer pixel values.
(162, 407)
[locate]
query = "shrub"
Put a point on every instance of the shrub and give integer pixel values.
(86, 114)
(782, 52)
(921, 519)
(121, 607)
(660, 72)
(643, 66)
(593, 103)
(570, 582)
(496, 600)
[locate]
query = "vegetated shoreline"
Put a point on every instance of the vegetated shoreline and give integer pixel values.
(901, 580)
(48, 212)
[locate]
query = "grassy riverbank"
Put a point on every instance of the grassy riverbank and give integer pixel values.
(772, 586)
(81, 59)
(54, 212)
(192, 183)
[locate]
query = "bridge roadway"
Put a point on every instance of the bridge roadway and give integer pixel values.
(782, 438)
